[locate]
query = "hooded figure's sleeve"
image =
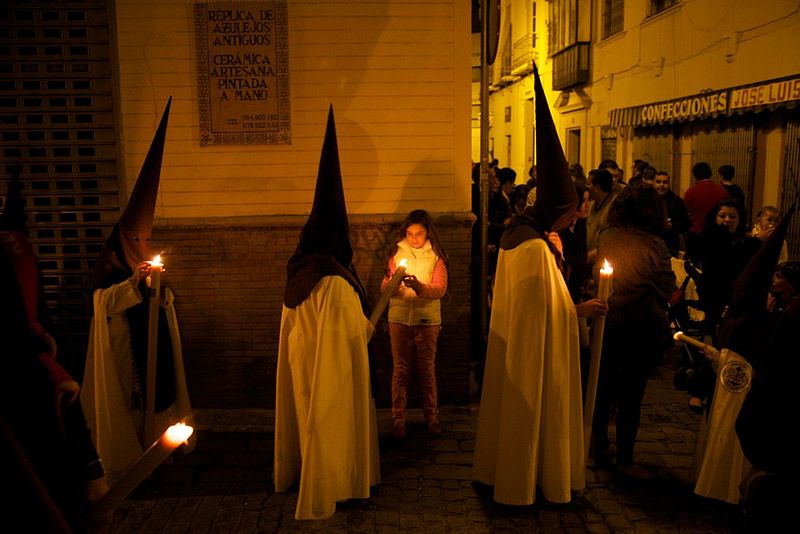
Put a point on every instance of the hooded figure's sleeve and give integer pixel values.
(103, 396)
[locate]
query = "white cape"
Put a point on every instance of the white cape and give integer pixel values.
(325, 423)
(530, 429)
(106, 393)
(721, 464)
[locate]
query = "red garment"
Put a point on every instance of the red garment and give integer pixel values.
(700, 199)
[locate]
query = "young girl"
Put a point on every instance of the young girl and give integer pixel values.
(414, 316)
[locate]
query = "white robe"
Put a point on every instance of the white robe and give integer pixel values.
(325, 423)
(719, 459)
(117, 429)
(530, 429)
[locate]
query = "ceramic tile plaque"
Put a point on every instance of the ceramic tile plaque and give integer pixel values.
(243, 72)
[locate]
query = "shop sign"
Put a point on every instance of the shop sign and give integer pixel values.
(682, 109)
(765, 94)
(243, 72)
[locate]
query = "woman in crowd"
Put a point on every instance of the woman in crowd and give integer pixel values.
(637, 327)
(725, 253)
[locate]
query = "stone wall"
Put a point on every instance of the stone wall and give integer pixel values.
(228, 275)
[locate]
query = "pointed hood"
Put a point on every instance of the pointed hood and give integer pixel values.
(555, 191)
(141, 206)
(14, 209)
(324, 247)
(129, 242)
(750, 291)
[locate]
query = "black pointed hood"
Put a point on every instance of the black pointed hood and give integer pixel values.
(324, 247)
(555, 191)
(14, 209)
(129, 242)
(141, 206)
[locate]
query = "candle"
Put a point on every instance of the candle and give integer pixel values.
(383, 301)
(170, 440)
(152, 348)
(604, 288)
(598, 326)
(710, 352)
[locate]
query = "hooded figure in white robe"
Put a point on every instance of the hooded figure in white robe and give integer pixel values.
(326, 435)
(748, 338)
(114, 383)
(530, 429)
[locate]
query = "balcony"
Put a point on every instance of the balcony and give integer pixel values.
(571, 66)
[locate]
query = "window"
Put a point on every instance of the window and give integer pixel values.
(563, 25)
(657, 6)
(612, 17)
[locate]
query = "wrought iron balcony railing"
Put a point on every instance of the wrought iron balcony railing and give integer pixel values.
(571, 66)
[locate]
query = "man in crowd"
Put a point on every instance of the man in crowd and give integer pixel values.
(677, 217)
(700, 199)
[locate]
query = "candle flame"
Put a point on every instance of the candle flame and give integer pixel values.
(606, 267)
(178, 433)
(156, 260)
(403, 263)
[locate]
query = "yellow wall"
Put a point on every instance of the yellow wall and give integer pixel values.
(692, 46)
(396, 71)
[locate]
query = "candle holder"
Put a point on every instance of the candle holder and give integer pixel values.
(391, 287)
(598, 328)
(156, 266)
(171, 439)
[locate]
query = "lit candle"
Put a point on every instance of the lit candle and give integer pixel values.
(156, 266)
(604, 287)
(598, 326)
(383, 301)
(170, 440)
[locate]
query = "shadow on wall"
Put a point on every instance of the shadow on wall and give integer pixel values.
(338, 63)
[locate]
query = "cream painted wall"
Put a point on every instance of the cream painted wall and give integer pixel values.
(396, 71)
(694, 46)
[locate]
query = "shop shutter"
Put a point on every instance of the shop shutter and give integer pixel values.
(56, 112)
(654, 145)
(790, 182)
(729, 141)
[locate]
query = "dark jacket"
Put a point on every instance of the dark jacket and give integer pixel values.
(643, 279)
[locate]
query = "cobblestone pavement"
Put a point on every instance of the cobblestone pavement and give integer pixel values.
(224, 485)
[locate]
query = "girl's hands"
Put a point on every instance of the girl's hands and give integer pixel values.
(411, 281)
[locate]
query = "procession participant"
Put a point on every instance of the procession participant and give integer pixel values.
(114, 387)
(758, 332)
(58, 470)
(325, 423)
(530, 426)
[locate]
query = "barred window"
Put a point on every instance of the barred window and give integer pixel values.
(613, 17)
(657, 6)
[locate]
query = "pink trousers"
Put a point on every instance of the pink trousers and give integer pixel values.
(412, 344)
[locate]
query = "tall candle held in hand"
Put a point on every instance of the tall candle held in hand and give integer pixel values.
(391, 287)
(598, 326)
(710, 352)
(156, 266)
(170, 440)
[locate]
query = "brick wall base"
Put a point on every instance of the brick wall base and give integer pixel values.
(228, 277)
